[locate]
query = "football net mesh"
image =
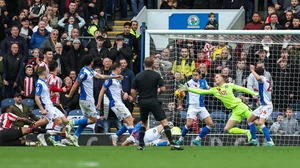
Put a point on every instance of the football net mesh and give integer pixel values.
(230, 55)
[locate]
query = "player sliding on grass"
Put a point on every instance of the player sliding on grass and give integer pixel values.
(224, 92)
(264, 110)
(196, 107)
(11, 136)
(153, 136)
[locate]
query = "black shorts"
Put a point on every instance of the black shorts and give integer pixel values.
(153, 106)
(10, 137)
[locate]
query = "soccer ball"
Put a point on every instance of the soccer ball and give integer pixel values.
(179, 94)
(176, 131)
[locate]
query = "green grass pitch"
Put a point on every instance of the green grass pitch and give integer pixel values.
(152, 157)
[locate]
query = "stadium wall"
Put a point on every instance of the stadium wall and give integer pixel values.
(210, 140)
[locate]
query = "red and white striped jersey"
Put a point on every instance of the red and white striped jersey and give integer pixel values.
(28, 86)
(55, 84)
(44, 64)
(6, 120)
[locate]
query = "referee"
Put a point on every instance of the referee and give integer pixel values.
(148, 83)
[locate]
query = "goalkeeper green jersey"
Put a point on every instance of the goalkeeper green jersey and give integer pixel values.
(225, 93)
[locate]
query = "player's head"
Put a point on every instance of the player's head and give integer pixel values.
(196, 74)
(220, 79)
(289, 112)
(53, 66)
(148, 62)
(116, 67)
(88, 60)
(42, 71)
(48, 54)
(260, 71)
(5, 109)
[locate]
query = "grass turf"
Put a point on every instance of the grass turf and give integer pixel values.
(123, 157)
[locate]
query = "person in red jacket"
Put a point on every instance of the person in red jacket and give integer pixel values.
(255, 24)
(202, 59)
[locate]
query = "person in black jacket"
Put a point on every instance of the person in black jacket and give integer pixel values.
(13, 68)
(128, 38)
(99, 52)
(121, 50)
(76, 55)
(14, 38)
(25, 31)
(92, 43)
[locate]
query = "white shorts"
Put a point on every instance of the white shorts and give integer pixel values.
(121, 111)
(193, 112)
(53, 113)
(151, 136)
(88, 108)
(263, 111)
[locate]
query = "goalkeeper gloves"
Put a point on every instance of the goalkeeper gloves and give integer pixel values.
(183, 87)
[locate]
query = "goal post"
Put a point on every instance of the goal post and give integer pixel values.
(230, 52)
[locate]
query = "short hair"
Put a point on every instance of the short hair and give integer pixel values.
(148, 62)
(4, 109)
(274, 14)
(289, 108)
(223, 76)
(28, 66)
(133, 22)
(52, 65)
(260, 71)
(115, 65)
(87, 60)
(197, 70)
(211, 14)
(256, 13)
(54, 5)
(296, 17)
(289, 11)
(280, 114)
(97, 67)
(271, 6)
(127, 24)
(41, 70)
(14, 26)
(177, 72)
(47, 49)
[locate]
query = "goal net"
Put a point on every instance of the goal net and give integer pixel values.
(230, 52)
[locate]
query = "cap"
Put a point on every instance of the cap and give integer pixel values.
(17, 95)
(119, 37)
(101, 38)
(25, 19)
(76, 41)
(94, 17)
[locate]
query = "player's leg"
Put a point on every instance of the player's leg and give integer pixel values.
(41, 122)
(250, 121)
(205, 116)
(89, 111)
(265, 113)
(191, 116)
(144, 112)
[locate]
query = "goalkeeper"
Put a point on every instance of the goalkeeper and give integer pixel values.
(224, 92)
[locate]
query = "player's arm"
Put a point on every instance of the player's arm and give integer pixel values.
(257, 77)
(195, 90)
(161, 85)
(100, 98)
(242, 89)
(99, 76)
(133, 90)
